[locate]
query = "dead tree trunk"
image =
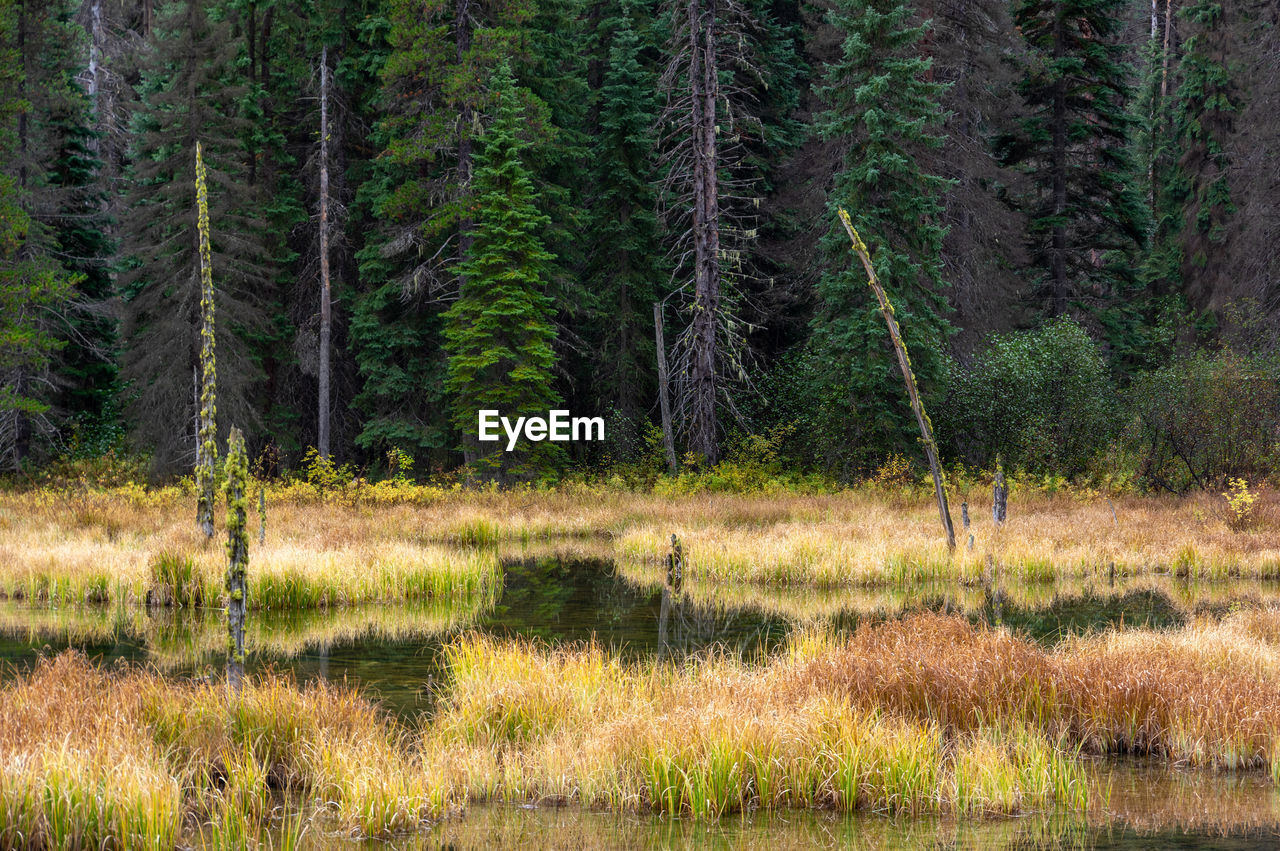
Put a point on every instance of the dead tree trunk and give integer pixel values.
(909, 378)
(322, 433)
(237, 556)
(704, 86)
(664, 389)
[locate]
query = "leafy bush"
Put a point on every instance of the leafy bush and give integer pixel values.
(1041, 400)
(1205, 419)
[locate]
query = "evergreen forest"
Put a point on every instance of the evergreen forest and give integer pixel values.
(419, 209)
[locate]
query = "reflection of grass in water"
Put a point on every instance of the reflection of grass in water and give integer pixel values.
(1093, 602)
(184, 638)
(1153, 798)
(498, 826)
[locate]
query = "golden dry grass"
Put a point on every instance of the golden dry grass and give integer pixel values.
(862, 539)
(137, 547)
(412, 542)
(90, 759)
(924, 715)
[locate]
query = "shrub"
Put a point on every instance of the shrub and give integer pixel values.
(1205, 419)
(1041, 400)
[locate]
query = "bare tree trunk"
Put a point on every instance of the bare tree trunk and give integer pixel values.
(462, 45)
(322, 431)
(999, 497)
(664, 391)
(1168, 27)
(909, 378)
(704, 85)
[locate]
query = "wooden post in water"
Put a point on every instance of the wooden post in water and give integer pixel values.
(675, 564)
(664, 396)
(237, 556)
(926, 429)
(999, 497)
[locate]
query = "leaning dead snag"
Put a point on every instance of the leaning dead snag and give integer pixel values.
(237, 555)
(207, 454)
(926, 428)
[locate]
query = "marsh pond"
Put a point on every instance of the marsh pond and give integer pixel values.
(395, 655)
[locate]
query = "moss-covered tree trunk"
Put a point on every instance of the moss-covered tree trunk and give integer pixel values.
(207, 455)
(237, 556)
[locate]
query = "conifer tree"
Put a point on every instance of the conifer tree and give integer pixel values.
(191, 92)
(66, 197)
(499, 333)
(433, 93)
(1086, 216)
(727, 64)
(1197, 201)
(624, 268)
(882, 111)
(35, 290)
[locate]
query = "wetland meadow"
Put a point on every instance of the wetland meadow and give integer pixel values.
(451, 668)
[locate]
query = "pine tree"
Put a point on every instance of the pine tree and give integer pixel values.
(500, 335)
(191, 93)
(882, 111)
(67, 198)
(624, 269)
(433, 92)
(1197, 205)
(1086, 217)
(35, 290)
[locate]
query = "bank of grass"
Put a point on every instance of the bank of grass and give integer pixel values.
(91, 759)
(866, 539)
(926, 715)
(409, 542)
(532, 723)
(135, 547)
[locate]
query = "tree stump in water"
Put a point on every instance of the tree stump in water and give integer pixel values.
(675, 564)
(999, 498)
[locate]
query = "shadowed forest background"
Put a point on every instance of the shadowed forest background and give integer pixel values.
(1073, 205)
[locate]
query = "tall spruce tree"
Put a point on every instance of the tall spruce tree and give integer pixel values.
(434, 91)
(38, 295)
(882, 111)
(1086, 217)
(624, 270)
(1197, 205)
(191, 92)
(499, 333)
